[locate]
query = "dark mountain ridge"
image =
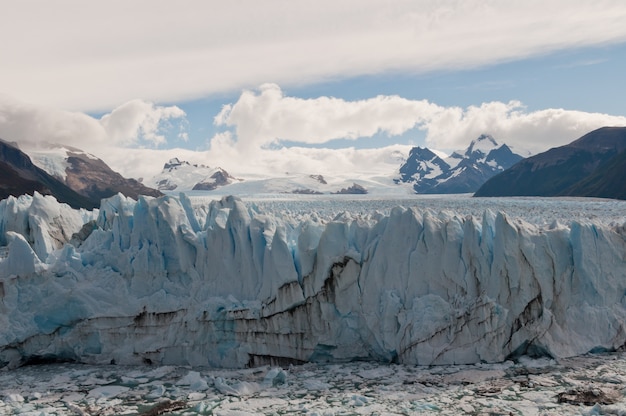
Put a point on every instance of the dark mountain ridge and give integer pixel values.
(593, 165)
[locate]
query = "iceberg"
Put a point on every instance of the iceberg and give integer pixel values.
(164, 281)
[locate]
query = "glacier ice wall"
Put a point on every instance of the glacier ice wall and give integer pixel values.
(162, 281)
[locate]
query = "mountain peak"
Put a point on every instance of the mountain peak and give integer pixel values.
(423, 153)
(182, 175)
(483, 144)
(462, 172)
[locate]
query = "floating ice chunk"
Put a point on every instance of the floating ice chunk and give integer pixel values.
(107, 392)
(275, 377)
(194, 380)
(14, 398)
(229, 412)
(239, 388)
(157, 391)
(359, 400)
(195, 396)
(377, 373)
(315, 385)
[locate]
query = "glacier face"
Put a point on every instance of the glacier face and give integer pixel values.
(165, 281)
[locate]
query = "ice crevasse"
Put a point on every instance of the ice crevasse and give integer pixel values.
(162, 281)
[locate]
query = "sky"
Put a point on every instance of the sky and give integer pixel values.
(321, 87)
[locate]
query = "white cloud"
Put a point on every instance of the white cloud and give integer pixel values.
(136, 122)
(535, 131)
(138, 119)
(260, 118)
(264, 118)
(268, 117)
(92, 56)
(30, 124)
(347, 163)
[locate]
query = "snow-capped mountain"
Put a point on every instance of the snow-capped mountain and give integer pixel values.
(181, 175)
(85, 173)
(423, 167)
(462, 172)
(19, 176)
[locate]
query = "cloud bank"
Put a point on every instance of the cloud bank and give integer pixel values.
(108, 53)
(266, 117)
(137, 123)
(255, 128)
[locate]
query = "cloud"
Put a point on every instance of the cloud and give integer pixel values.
(165, 54)
(255, 127)
(260, 119)
(139, 120)
(136, 122)
(346, 163)
(268, 117)
(31, 124)
(511, 123)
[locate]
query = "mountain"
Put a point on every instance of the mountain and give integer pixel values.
(594, 165)
(19, 176)
(86, 174)
(607, 181)
(422, 168)
(462, 172)
(183, 176)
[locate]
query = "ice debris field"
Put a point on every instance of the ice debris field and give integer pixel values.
(591, 385)
(279, 281)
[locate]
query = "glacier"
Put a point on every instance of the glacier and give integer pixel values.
(227, 284)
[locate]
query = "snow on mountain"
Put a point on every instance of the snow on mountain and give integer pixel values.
(462, 172)
(164, 281)
(19, 176)
(481, 146)
(85, 173)
(181, 175)
(422, 164)
(53, 160)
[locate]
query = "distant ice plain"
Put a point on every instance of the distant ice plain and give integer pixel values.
(535, 210)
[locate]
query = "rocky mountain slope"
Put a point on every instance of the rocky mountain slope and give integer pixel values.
(462, 172)
(19, 176)
(93, 178)
(86, 174)
(72, 176)
(593, 166)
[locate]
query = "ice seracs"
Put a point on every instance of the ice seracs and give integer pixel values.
(161, 281)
